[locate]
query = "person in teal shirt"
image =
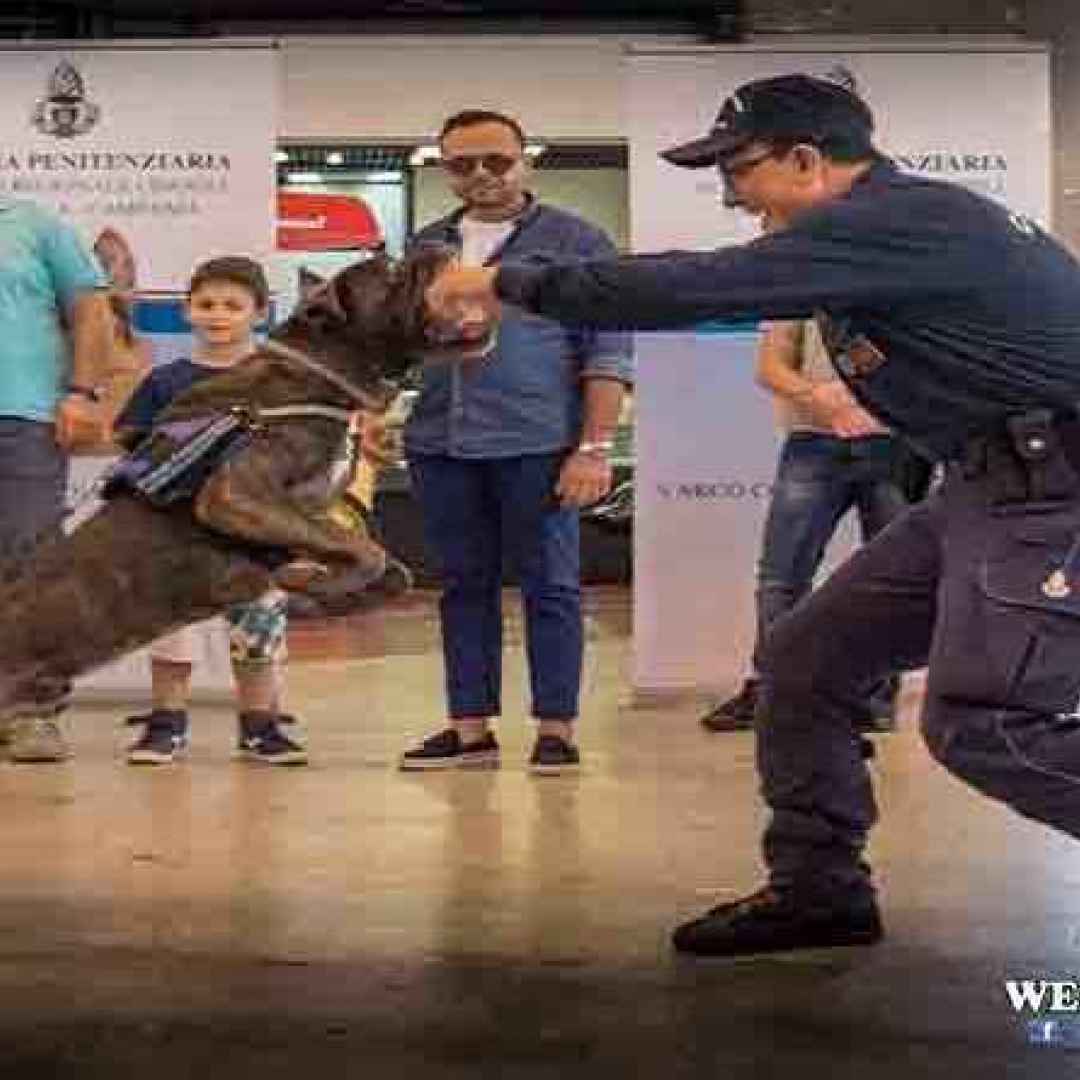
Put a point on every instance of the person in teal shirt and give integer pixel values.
(55, 340)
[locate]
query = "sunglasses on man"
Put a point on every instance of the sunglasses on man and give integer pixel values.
(462, 165)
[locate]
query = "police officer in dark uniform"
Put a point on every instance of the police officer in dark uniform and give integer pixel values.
(957, 323)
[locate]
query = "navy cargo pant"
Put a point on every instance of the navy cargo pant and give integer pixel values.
(981, 583)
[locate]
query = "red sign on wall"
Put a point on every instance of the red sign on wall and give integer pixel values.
(313, 222)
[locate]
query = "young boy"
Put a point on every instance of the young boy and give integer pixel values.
(227, 298)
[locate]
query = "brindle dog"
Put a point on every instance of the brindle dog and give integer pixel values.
(133, 572)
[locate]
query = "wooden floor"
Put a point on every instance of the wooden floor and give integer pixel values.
(215, 919)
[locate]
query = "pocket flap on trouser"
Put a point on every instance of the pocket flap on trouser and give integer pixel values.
(1036, 565)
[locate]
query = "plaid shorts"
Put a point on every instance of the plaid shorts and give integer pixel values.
(256, 634)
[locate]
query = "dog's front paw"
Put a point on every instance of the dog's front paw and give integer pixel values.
(300, 575)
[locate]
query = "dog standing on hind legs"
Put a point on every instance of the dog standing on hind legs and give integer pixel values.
(263, 516)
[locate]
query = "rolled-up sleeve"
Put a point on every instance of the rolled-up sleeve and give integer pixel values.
(605, 354)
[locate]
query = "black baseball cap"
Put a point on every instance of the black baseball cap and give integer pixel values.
(798, 107)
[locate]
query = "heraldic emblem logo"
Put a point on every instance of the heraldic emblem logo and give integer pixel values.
(66, 111)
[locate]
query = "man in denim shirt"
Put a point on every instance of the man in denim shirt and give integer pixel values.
(503, 453)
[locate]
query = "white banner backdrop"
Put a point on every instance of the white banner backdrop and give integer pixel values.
(706, 444)
(162, 156)
(170, 148)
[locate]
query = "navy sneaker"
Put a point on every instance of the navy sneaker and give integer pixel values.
(881, 711)
(737, 713)
(553, 755)
(163, 739)
(261, 739)
(445, 750)
(775, 920)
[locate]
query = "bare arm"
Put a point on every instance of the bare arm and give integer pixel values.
(779, 361)
(586, 474)
(79, 420)
(831, 403)
(92, 338)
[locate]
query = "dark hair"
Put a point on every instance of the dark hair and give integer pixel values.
(237, 270)
(471, 117)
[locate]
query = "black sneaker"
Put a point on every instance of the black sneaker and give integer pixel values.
(772, 920)
(164, 737)
(552, 755)
(445, 750)
(261, 739)
(880, 724)
(881, 707)
(735, 714)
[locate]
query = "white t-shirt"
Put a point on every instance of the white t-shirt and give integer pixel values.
(481, 239)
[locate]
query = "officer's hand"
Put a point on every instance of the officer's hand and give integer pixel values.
(585, 479)
(79, 422)
(464, 297)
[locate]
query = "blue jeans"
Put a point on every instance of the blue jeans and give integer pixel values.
(476, 514)
(819, 478)
(33, 483)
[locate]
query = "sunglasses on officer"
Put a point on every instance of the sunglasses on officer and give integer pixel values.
(733, 167)
(463, 165)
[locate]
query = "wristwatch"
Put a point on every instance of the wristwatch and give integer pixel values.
(601, 448)
(92, 393)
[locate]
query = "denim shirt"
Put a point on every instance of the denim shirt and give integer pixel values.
(526, 397)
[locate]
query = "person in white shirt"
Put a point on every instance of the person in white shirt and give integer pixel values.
(835, 457)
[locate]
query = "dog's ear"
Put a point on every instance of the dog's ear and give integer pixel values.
(415, 274)
(115, 255)
(308, 283)
(362, 289)
(321, 309)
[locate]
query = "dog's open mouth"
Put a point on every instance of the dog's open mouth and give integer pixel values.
(475, 343)
(453, 341)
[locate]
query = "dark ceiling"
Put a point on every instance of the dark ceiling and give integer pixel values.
(712, 19)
